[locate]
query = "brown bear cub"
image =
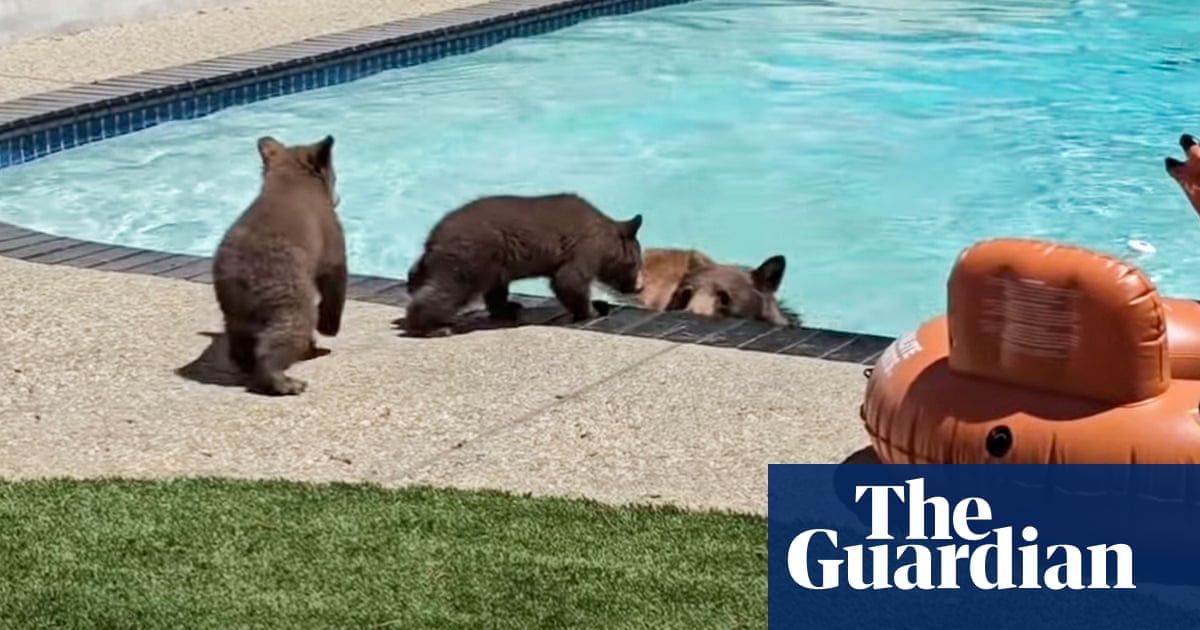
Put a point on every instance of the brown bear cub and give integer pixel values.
(688, 280)
(282, 254)
(481, 247)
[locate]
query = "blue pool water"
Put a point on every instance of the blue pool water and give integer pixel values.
(869, 141)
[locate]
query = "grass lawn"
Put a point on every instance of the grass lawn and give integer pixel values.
(223, 554)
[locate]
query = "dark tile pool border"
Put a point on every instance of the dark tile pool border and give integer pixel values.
(831, 345)
(39, 125)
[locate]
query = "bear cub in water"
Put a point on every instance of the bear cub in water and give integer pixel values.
(481, 247)
(689, 280)
(282, 254)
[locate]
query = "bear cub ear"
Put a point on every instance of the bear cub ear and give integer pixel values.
(769, 275)
(630, 228)
(323, 156)
(270, 149)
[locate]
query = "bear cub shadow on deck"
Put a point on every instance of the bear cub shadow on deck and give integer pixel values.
(529, 312)
(213, 366)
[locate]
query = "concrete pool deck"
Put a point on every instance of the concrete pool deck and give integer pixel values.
(53, 62)
(105, 373)
(89, 387)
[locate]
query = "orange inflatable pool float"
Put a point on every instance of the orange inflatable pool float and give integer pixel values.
(1047, 354)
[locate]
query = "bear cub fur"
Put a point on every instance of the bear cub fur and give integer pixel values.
(689, 280)
(663, 269)
(481, 247)
(282, 254)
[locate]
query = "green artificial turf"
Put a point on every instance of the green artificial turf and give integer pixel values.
(203, 553)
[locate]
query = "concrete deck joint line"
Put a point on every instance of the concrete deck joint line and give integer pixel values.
(499, 428)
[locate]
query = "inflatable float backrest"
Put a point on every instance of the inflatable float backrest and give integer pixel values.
(1057, 318)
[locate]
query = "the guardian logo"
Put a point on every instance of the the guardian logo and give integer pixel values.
(912, 565)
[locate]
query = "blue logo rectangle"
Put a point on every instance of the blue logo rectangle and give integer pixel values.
(977, 547)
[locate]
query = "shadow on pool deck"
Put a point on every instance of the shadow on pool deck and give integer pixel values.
(865, 455)
(213, 366)
(90, 386)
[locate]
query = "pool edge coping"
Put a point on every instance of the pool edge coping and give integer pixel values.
(33, 109)
(28, 113)
(41, 107)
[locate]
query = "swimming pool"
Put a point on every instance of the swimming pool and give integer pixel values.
(868, 141)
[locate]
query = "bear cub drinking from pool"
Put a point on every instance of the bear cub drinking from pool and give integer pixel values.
(688, 280)
(286, 250)
(481, 247)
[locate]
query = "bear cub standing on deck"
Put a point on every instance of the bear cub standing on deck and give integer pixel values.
(481, 247)
(284, 252)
